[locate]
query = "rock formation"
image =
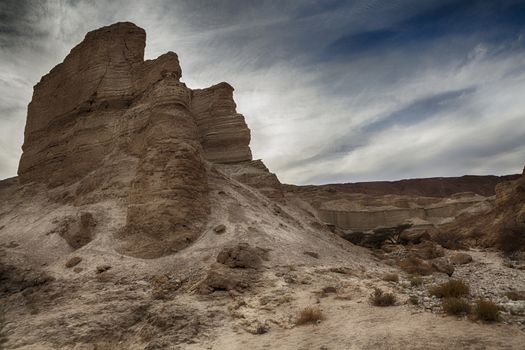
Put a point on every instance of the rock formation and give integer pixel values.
(426, 203)
(504, 226)
(110, 124)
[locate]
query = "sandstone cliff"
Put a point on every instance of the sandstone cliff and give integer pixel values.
(504, 226)
(107, 124)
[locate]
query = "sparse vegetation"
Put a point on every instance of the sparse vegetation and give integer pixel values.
(380, 298)
(310, 314)
(378, 237)
(415, 266)
(455, 306)
(386, 234)
(450, 240)
(414, 300)
(391, 277)
(416, 281)
(486, 310)
(450, 289)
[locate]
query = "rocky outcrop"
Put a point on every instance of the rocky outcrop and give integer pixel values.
(426, 203)
(223, 132)
(503, 227)
(107, 124)
(255, 174)
(363, 214)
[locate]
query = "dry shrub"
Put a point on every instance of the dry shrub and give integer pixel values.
(455, 306)
(516, 295)
(416, 281)
(380, 298)
(310, 314)
(416, 266)
(450, 240)
(391, 277)
(450, 289)
(486, 310)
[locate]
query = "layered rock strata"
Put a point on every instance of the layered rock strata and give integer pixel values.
(107, 124)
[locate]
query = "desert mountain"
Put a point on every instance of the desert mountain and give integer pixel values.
(139, 220)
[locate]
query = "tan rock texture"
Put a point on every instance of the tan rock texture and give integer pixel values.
(426, 203)
(111, 125)
(507, 217)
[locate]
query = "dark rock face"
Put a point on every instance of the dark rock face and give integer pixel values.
(108, 124)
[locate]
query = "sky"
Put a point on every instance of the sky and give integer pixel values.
(333, 91)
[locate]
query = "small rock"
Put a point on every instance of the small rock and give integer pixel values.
(241, 255)
(103, 268)
(73, 261)
(329, 290)
(460, 259)
(442, 265)
(312, 254)
(219, 229)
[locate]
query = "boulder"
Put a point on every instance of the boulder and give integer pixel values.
(241, 255)
(73, 261)
(414, 237)
(221, 278)
(427, 250)
(460, 258)
(443, 265)
(219, 229)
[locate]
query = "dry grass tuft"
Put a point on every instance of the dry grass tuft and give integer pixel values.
(415, 266)
(380, 298)
(486, 310)
(450, 289)
(455, 306)
(310, 314)
(416, 281)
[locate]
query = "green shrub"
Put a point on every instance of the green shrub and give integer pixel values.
(414, 300)
(450, 289)
(380, 298)
(386, 234)
(486, 310)
(455, 306)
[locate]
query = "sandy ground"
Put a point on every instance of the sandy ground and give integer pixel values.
(156, 304)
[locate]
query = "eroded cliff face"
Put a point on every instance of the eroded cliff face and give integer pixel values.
(107, 124)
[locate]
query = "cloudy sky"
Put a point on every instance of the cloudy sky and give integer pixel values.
(333, 91)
